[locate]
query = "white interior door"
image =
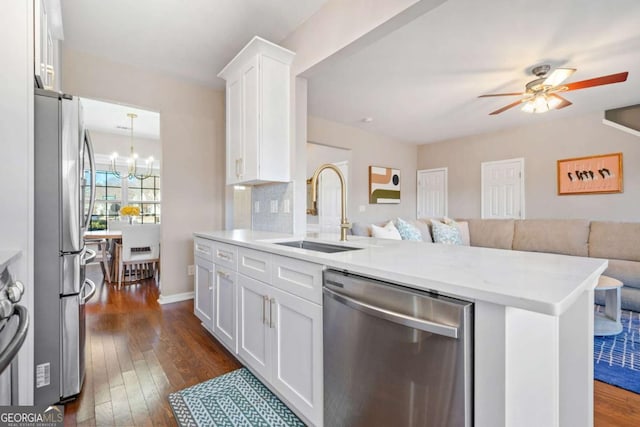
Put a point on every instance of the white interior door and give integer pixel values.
(503, 189)
(329, 208)
(432, 193)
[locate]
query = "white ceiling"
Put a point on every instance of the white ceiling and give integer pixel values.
(112, 118)
(191, 39)
(420, 84)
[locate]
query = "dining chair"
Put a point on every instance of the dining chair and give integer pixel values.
(139, 252)
(102, 255)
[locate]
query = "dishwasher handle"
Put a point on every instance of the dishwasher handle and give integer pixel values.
(392, 316)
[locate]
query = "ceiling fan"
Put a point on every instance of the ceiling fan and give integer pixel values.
(542, 94)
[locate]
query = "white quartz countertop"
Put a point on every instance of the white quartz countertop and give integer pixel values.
(539, 282)
(7, 256)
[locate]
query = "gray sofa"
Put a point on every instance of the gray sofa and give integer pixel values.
(616, 241)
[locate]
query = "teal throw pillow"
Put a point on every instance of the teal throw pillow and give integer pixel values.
(447, 234)
(408, 231)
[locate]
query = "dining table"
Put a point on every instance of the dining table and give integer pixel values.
(112, 237)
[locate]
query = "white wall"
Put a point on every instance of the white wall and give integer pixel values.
(541, 145)
(369, 149)
(192, 135)
(16, 152)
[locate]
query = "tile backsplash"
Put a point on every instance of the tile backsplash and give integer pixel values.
(271, 207)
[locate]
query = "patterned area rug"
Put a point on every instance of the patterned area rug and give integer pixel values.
(234, 399)
(616, 359)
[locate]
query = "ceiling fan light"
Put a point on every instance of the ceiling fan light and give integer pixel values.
(558, 76)
(553, 102)
(528, 107)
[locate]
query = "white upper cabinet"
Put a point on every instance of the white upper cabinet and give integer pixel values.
(47, 33)
(258, 113)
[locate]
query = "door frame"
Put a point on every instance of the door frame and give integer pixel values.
(484, 165)
(446, 187)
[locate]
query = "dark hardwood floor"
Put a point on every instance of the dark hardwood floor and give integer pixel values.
(138, 352)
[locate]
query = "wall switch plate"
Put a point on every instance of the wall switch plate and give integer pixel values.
(362, 208)
(191, 270)
(256, 206)
(274, 206)
(286, 206)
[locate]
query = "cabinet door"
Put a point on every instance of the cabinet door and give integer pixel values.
(203, 303)
(296, 325)
(225, 307)
(254, 344)
(251, 121)
(235, 147)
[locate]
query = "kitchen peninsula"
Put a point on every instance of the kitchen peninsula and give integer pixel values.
(533, 315)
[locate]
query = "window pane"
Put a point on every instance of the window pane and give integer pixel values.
(133, 183)
(113, 209)
(100, 208)
(113, 181)
(101, 178)
(101, 193)
(148, 195)
(114, 193)
(134, 195)
(148, 182)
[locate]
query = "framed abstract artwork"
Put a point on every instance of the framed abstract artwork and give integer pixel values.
(590, 175)
(384, 185)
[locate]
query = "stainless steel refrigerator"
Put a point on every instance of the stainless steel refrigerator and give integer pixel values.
(62, 152)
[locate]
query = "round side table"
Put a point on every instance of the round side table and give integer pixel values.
(608, 323)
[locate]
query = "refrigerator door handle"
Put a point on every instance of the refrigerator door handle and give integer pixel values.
(92, 167)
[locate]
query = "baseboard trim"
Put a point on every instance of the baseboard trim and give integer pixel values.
(175, 298)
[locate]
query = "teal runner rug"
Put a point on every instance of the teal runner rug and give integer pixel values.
(616, 359)
(234, 399)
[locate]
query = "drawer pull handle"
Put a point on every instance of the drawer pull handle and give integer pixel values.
(224, 256)
(223, 274)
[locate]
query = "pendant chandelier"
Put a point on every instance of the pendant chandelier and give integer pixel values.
(132, 161)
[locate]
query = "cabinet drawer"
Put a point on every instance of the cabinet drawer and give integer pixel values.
(203, 248)
(226, 255)
(255, 264)
(301, 278)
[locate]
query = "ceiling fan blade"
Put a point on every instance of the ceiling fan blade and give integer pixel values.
(558, 76)
(501, 94)
(505, 108)
(563, 102)
(598, 81)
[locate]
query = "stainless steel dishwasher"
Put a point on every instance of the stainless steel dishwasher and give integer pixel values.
(395, 356)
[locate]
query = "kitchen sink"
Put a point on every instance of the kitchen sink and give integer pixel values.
(317, 246)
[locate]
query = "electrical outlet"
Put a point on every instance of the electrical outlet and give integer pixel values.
(274, 206)
(256, 207)
(286, 206)
(191, 270)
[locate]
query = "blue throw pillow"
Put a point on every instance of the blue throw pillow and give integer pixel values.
(408, 231)
(447, 234)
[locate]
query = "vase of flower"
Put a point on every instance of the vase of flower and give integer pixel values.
(129, 212)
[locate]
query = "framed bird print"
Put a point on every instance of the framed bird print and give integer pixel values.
(590, 175)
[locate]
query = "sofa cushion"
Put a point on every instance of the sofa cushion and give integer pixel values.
(628, 272)
(389, 231)
(617, 240)
(407, 230)
(559, 236)
(447, 234)
(463, 228)
(425, 231)
(491, 233)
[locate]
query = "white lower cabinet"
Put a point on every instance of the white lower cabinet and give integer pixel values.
(254, 340)
(224, 307)
(297, 352)
(203, 300)
(280, 338)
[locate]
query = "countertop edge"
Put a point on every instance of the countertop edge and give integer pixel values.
(450, 289)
